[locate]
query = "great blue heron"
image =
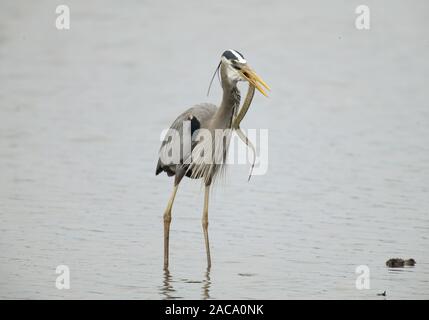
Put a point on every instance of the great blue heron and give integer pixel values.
(193, 160)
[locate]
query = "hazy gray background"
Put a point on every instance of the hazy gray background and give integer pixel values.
(81, 112)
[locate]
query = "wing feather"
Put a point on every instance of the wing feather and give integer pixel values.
(176, 143)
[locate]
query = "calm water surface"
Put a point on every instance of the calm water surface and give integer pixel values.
(81, 112)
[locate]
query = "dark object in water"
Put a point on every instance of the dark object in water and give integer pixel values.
(382, 294)
(399, 263)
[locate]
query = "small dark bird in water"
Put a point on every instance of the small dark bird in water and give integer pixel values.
(382, 294)
(399, 263)
(410, 262)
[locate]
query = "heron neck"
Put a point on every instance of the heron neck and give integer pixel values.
(228, 107)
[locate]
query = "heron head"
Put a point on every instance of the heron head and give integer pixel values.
(235, 68)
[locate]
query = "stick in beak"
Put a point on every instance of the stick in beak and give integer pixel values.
(254, 79)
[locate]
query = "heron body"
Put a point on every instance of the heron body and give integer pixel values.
(199, 117)
(201, 125)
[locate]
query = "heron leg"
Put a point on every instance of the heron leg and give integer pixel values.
(167, 221)
(205, 223)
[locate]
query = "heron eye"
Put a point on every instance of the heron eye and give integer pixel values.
(236, 67)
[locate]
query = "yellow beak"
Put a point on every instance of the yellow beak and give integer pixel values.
(254, 79)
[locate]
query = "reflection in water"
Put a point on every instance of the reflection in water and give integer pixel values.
(400, 270)
(167, 290)
(206, 285)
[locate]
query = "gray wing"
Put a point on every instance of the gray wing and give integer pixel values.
(194, 118)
